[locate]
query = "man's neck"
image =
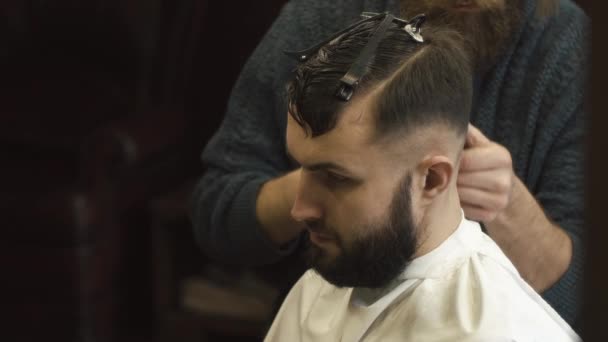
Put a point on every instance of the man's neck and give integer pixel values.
(437, 224)
(439, 221)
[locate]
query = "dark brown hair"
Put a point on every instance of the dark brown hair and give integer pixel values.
(417, 83)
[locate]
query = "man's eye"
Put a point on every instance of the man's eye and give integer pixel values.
(336, 178)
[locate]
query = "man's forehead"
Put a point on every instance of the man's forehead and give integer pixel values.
(358, 114)
(350, 137)
(354, 126)
(344, 149)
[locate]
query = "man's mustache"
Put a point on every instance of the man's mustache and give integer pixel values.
(321, 229)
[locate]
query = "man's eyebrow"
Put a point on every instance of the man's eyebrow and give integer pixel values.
(319, 166)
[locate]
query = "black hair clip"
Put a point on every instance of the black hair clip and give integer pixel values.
(351, 79)
(413, 27)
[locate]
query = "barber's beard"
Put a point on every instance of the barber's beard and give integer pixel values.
(379, 254)
(487, 31)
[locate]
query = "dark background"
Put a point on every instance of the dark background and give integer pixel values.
(105, 106)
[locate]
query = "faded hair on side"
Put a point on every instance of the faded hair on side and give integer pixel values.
(417, 83)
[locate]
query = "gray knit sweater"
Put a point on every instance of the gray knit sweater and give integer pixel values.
(530, 102)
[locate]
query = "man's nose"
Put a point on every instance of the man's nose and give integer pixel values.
(306, 206)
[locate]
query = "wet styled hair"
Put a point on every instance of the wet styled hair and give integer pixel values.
(417, 83)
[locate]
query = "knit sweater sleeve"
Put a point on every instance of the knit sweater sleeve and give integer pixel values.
(562, 197)
(249, 147)
(560, 188)
(246, 151)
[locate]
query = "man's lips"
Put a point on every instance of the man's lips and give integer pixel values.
(318, 237)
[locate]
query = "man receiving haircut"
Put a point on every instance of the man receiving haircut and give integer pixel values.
(521, 173)
(377, 120)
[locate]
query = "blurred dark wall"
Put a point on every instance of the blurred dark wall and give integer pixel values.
(595, 296)
(104, 104)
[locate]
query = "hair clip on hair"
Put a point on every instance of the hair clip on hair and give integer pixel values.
(413, 27)
(350, 81)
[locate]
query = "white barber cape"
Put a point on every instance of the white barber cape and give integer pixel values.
(464, 290)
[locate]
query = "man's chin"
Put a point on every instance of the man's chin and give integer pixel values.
(327, 267)
(342, 280)
(340, 272)
(320, 260)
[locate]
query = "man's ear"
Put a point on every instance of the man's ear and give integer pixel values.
(438, 171)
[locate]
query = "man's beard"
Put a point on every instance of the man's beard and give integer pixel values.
(379, 253)
(486, 31)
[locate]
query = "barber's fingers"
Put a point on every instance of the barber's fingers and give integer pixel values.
(490, 156)
(487, 200)
(495, 180)
(475, 137)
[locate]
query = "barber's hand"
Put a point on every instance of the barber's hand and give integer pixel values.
(486, 177)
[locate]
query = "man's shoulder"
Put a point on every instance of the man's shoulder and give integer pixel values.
(483, 299)
(568, 8)
(566, 17)
(564, 32)
(538, 82)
